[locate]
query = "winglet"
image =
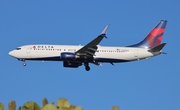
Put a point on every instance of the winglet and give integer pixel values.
(105, 30)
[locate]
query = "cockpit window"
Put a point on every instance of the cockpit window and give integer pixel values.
(18, 48)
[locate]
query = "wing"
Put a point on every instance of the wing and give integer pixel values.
(89, 49)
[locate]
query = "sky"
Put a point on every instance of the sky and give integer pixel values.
(140, 85)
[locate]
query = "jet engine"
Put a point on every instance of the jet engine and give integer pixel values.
(68, 56)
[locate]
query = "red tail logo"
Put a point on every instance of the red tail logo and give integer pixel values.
(154, 38)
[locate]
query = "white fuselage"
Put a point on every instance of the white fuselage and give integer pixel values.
(75, 56)
(104, 53)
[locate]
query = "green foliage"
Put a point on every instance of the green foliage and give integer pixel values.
(19, 108)
(45, 101)
(12, 105)
(72, 107)
(49, 107)
(115, 108)
(64, 108)
(61, 104)
(1, 106)
(31, 106)
(66, 104)
(78, 108)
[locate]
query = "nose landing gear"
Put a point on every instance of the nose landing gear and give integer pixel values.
(24, 64)
(23, 60)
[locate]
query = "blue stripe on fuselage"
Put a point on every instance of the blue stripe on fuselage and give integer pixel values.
(57, 58)
(110, 60)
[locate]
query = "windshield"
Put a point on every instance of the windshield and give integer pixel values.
(18, 48)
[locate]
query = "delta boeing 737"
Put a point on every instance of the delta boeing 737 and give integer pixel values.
(74, 56)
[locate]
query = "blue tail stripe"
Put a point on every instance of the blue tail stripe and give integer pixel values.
(156, 38)
(142, 44)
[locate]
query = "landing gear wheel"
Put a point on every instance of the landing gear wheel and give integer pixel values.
(24, 64)
(87, 68)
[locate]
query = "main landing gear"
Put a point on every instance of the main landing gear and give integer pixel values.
(87, 66)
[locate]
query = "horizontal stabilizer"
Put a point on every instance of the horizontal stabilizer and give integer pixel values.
(163, 53)
(157, 48)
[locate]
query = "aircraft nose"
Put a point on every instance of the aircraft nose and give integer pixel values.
(11, 53)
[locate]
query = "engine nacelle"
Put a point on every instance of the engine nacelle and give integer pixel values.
(71, 64)
(68, 56)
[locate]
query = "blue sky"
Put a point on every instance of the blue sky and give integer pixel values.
(142, 85)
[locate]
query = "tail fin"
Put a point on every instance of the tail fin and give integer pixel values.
(154, 38)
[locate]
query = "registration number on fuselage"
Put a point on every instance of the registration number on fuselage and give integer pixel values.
(123, 50)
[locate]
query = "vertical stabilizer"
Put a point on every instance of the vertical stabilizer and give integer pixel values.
(154, 38)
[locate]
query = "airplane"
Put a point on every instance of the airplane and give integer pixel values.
(74, 56)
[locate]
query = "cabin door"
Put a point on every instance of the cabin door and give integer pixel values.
(135, 53)
(28, 50)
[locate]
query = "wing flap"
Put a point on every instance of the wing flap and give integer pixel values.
(92, 49)
(92, 54)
